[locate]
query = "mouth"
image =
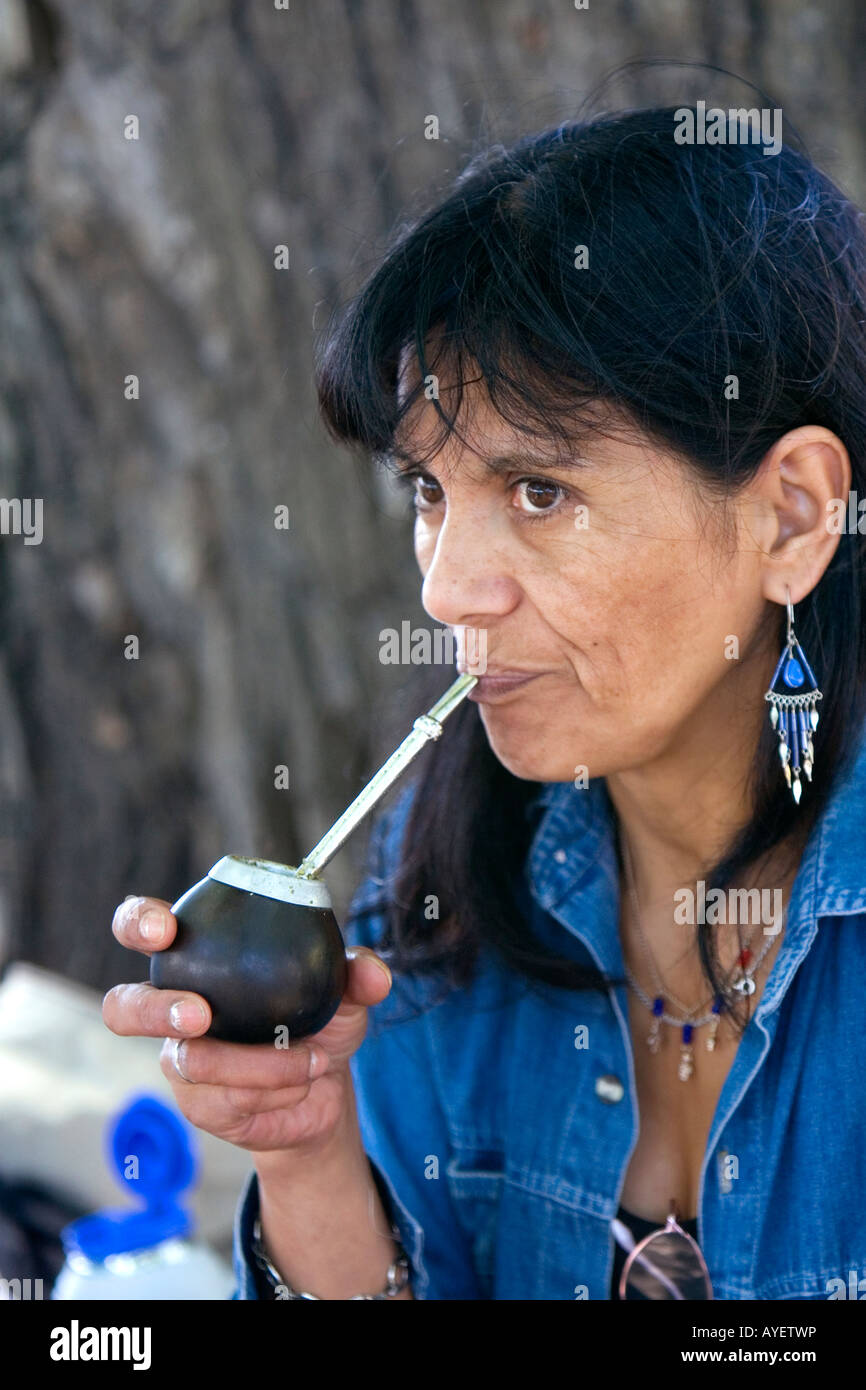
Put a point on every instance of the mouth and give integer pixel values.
(497, 684)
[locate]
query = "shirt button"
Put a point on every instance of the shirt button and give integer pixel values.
(560, 856)
(609, 1088)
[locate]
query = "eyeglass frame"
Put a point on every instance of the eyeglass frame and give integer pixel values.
(670, 1227)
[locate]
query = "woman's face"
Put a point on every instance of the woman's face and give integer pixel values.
(612, 582)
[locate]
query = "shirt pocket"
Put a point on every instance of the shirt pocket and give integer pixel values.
(476, 1179)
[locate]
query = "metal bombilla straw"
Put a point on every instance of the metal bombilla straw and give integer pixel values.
(426, 727)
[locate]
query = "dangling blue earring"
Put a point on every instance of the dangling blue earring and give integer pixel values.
(794, 716)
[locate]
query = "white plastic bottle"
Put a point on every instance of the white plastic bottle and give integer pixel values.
(144, 1253)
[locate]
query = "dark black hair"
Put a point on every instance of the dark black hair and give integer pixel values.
(705, 260)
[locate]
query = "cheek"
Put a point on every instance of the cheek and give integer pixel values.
(634, 633)
(596, 622)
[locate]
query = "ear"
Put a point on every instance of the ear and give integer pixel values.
(802, 476)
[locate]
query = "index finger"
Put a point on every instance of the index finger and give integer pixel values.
(144, 924)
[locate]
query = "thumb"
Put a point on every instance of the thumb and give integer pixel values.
(369, 977)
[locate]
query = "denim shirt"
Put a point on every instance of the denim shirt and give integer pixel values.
(500, 1142)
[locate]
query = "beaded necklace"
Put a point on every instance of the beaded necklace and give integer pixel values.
(739, 979)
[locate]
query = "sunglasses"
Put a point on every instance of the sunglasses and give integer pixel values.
(666, 1264)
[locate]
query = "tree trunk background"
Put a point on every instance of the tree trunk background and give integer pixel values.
(258, 647)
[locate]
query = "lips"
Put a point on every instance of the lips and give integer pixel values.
(500, 682)
(502, 672)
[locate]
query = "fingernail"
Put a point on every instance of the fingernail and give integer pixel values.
(314, 1063)
(152, 926)
(354, 951)
(186, 1017)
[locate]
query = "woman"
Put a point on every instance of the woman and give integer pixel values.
(623, 905)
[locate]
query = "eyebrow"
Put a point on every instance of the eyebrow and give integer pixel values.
(496, 464)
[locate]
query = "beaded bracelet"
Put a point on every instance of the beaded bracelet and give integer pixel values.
(397, 1277)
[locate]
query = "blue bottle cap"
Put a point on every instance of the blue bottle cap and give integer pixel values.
(150, 1149)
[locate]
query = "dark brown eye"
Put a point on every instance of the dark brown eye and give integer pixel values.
(427, 490)
(540, 493)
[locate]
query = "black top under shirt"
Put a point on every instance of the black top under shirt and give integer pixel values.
(639, 1228)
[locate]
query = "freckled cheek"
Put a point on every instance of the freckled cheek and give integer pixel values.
(603, 636)
(591, 617)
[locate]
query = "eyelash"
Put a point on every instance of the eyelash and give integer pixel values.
(408, 477)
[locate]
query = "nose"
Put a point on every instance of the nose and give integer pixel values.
(470, 579)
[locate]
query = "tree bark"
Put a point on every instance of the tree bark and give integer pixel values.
(130, 766)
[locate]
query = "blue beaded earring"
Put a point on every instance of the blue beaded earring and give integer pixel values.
(794, 716)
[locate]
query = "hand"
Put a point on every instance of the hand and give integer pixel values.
(258, 1096)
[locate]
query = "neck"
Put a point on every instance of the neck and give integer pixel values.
(679, 812)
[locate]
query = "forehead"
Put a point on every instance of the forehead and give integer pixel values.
(422, 435)
(422, 429)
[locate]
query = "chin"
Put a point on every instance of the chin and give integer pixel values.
(531, 765)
